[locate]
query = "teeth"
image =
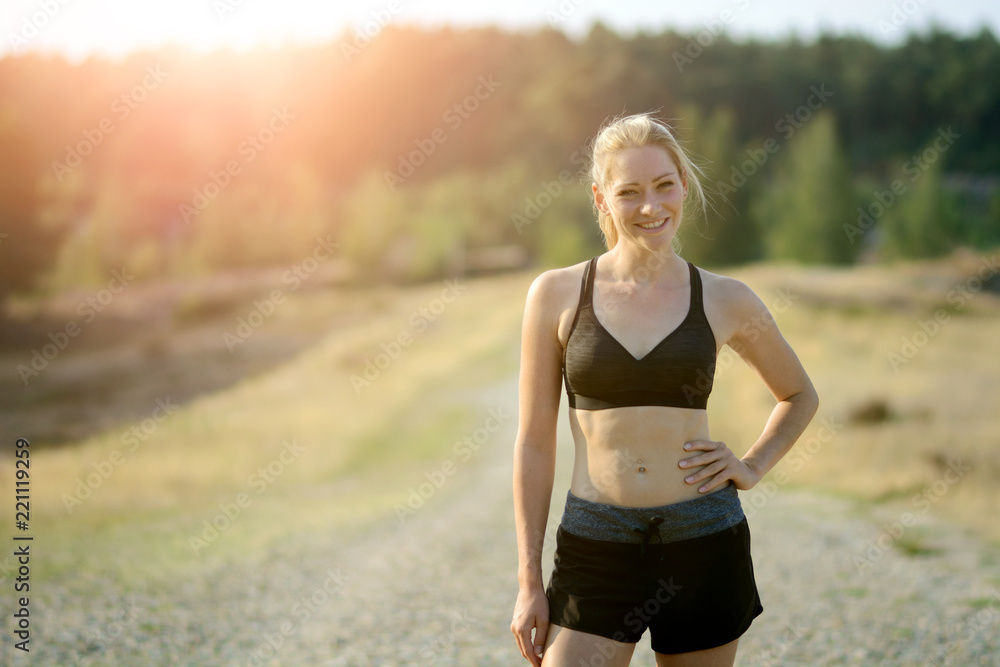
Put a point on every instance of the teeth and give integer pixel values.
(652, 225)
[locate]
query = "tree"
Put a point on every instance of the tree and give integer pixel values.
(802, 212)
(26, 247)
(925, 220)
(726, 235)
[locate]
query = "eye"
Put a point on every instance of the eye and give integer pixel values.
(665, 184)
(626, 193)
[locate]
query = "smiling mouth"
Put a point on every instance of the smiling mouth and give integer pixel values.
(656, 224)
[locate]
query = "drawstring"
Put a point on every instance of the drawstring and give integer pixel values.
(649, 533)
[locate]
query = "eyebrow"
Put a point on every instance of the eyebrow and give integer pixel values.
(669, 173)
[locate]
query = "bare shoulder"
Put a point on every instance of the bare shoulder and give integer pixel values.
(553, 297)
(553, 286)
(728, 293)
(730, 304)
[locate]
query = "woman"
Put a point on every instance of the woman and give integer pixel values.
(653, 535)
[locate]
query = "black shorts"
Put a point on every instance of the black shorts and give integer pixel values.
(692, 593)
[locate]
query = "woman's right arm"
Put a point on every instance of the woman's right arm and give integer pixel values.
(539, 387)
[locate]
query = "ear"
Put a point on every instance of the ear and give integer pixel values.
(684, 182)
(599, 198)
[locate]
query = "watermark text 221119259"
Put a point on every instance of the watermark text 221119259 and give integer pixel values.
(22, 515)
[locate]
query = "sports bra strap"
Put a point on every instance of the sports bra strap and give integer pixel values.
(697, 301)
(587, 293)
(695, 287)
(599, 373)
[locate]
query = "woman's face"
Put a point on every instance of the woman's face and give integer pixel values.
(644, 195)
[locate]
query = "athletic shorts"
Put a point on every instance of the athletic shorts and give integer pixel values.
(682, 570)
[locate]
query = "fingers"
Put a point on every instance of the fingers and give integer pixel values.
(541, 633)
(715, 462)
(715, 481)
(524, 643)
(707, 445)
(713, 451)
(700, 459)
(713, 471)
(519, 636)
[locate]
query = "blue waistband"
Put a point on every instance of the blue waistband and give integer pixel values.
(687, 519)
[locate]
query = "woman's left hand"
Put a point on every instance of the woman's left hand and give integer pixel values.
(720, 465)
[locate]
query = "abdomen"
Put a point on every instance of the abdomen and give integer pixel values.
(629, 456)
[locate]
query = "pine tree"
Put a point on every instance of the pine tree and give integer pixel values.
(802, 213)
(924, 221)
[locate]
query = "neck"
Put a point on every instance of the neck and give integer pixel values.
(629, 263)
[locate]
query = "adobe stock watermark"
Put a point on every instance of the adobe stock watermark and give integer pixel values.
(651, 263)
(121, 108)
(914, 168)
(891, 533)
(801, 453)
(223, 8)
(751, 330)
(33, 24)
(124, 617)
(248, 149)
(911, 345)
(131, 439)
(453, 116)
(787, 125)
(539, 538)
(266, 307)
(550, 191)
(973, 625)
(364, 34)
(706, 38)
(900, 15)
(303, 609)
(772, 654)
(608, 478)
(637, 620)
(419, 320)
(563, 11)
(641, 615)
(464, 449)
(461, 621)
(88, 309)
(259, 481)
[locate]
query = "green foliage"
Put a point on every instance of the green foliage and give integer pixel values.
(27, 247)
(925, 222)
(567, 231)
(413, 233)
(727, 235)
(802, 212)
(489, 129)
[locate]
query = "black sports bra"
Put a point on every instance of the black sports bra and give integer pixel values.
(600, 373)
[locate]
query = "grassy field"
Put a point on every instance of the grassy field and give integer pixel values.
(362, 446)
(905, 361)
(890, 433)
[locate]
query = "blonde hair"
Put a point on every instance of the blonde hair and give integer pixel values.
(637, 131)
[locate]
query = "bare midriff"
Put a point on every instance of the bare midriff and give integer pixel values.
(629, 455)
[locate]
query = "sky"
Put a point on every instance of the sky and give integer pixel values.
(114, 28)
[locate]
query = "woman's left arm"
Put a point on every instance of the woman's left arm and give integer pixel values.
(753, 334)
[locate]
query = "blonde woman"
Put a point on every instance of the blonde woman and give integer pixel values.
(653, 536)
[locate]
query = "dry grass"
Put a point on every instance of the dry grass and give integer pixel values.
(938, 405)
(361, 449)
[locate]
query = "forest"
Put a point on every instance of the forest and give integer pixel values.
(410, 151)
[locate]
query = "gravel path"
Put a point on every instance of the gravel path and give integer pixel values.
(439, 587)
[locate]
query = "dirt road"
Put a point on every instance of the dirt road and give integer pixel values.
(437, 588)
